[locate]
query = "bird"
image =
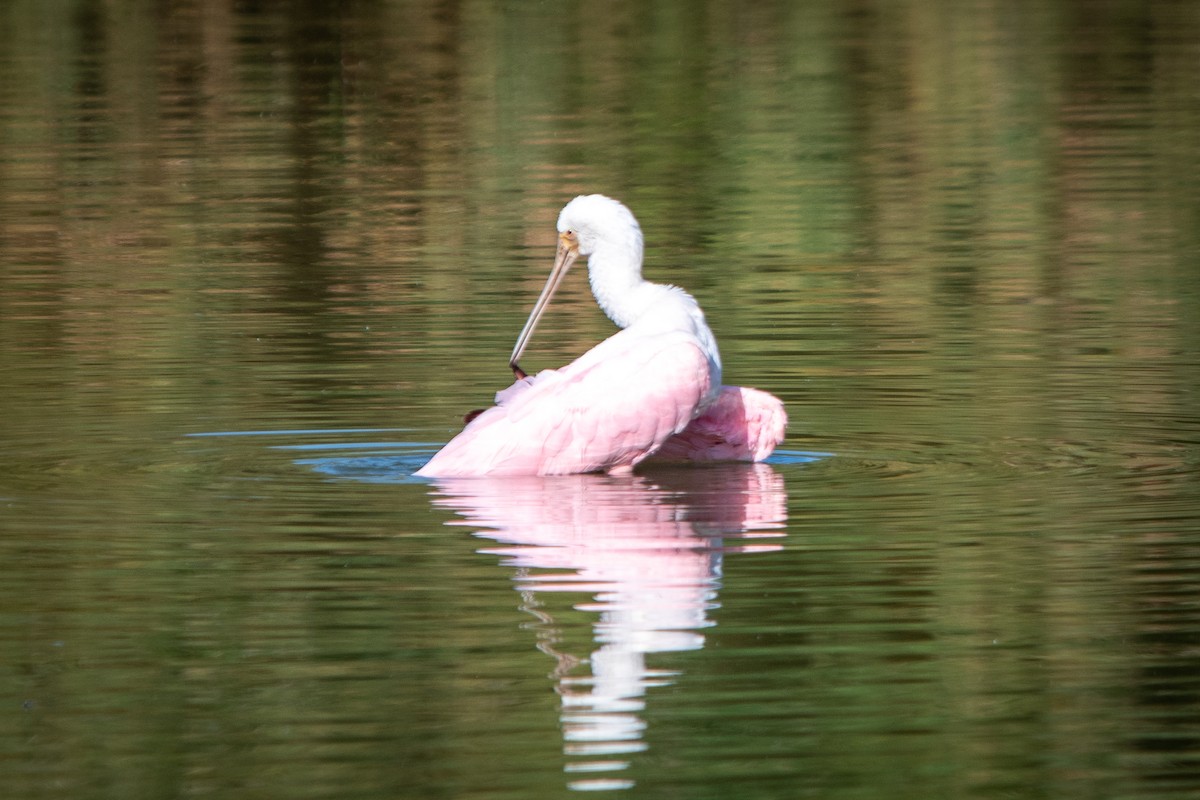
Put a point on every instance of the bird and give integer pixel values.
(651, 391)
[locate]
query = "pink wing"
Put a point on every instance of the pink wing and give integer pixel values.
(607, 410)
(742, 425)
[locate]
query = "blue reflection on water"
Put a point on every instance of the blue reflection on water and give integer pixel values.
(396, 461)
(297, 432)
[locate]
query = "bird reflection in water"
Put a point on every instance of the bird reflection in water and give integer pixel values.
(648, 550)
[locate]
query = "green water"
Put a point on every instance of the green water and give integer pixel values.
(258, 258)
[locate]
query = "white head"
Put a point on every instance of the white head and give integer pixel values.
(593, 221)
(588, 225)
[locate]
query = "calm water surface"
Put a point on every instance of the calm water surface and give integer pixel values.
(257, 259)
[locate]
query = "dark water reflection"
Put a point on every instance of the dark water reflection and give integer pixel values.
(958, 239)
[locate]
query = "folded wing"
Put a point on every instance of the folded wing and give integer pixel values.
(607, 411)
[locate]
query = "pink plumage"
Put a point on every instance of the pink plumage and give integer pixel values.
(741, 425)
(651, 389)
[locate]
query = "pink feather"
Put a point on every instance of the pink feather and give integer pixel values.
(650, 390)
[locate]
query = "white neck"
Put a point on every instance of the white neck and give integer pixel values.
(629, 299)
(615, 275)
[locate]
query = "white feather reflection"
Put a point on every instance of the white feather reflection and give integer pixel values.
(649, 551)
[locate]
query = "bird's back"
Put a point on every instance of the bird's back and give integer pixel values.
(608, 410)
(743, 424)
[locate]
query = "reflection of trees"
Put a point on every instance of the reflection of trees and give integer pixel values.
(1002, 184)
(945, 223)
(648, 554)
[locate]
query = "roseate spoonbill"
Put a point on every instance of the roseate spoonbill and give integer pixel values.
(652, 388)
